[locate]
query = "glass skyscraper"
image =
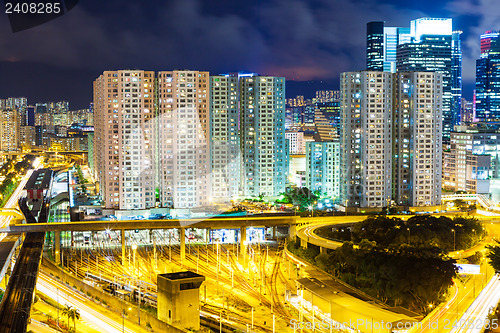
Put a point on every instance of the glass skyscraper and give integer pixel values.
(488, 78)
(429, 45)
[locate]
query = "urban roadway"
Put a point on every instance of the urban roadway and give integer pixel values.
(471, 298)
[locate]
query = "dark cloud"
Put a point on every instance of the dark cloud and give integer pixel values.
(299, 39)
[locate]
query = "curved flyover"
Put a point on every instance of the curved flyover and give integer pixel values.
(306, 231)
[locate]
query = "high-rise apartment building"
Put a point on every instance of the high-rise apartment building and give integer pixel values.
(390, 138)
(225, 159)
(366, 106)
(488, 78)
(429, 45)
(27, 137)
(296, 143)
(417, 162)
(263, 145)
(323, 167)
(184, 138)
(472, 159)
(9, 129)
(124, 138)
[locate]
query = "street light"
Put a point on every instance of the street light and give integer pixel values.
(134, 248)
(346, 201)
(311, 208)
(453, 230)
(409, 235)
(123, 319)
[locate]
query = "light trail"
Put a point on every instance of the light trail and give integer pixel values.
(58, 291)
(12, 202)
(475, 318)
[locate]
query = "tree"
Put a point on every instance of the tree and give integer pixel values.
(75, 315)
(475, 258)
(461, 205)
(71, 313)
(299, 196)
(494, 255)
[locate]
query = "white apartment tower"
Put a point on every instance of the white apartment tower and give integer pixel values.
(322, 167)
(124, 138)
(366, 138)
(296, 143)
(263, 145)
(183, 138)
(224, 137)
(418, 138)
(391, 138)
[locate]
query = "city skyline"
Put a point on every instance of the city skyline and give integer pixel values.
(74, 49)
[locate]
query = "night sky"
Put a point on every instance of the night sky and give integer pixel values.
(308, 41)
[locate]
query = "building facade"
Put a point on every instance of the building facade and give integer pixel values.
(390, 139)
(263, 145)
(225, 157)
(183, 138)
(296, 143)
(473, 159)
(124, 141)
(428, 45)
(366, 138)
(323, 168)
(417, 162)
(487, 95)
(9, 129)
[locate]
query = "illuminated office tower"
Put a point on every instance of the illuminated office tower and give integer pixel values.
(435, 47)
(467, 112)
(417, 156)
(429, 45)
(488, 78)
(183, 138)
(263, 145)
(124, 138)
(322, 167)
(224, 137)
(375, 46)
(366, 138)
(381, 45)
(9, 129)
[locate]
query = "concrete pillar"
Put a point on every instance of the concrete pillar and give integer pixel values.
(124, 245)
(57, 243)
(303, 243)
(243, 242)
(182, 236)
(322, 249)
(274, 232)
(292, 231)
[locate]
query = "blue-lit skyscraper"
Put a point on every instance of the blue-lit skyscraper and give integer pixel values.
(375, 46)
(488, 78)
(429, 45)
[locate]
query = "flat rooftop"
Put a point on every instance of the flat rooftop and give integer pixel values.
(181, 275)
